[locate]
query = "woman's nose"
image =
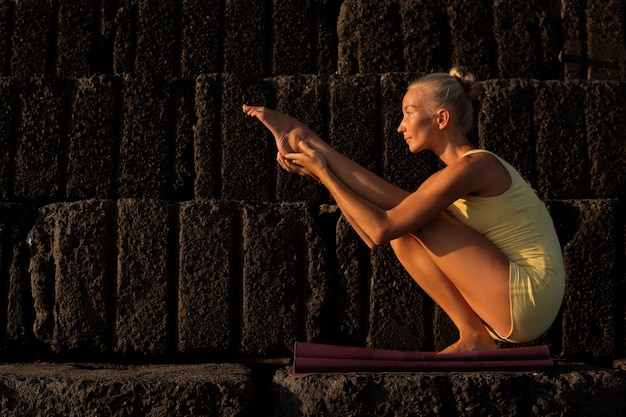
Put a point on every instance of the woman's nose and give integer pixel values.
(401, 127)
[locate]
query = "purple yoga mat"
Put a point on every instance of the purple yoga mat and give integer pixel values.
(312, 358)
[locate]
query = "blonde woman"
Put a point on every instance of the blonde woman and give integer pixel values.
(474, 235)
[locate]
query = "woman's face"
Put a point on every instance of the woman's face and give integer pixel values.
(418, 125)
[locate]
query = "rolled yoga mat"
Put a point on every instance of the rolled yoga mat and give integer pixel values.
(315, 358)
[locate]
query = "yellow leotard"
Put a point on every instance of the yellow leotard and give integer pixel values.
(519, 224)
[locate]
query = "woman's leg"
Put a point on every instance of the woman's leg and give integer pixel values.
(288, 132)
(465, 274)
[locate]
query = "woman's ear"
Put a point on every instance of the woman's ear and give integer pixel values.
(443, 118)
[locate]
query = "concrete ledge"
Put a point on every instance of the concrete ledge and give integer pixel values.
(115, 390)
(569, 390)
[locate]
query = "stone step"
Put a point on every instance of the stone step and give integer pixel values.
(96, 389)
(570, 389)
(49, 389)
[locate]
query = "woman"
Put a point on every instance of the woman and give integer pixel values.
(474, 235)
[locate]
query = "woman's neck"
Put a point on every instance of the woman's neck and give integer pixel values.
(453, 148)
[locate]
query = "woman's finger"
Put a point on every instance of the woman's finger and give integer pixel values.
(281, 161)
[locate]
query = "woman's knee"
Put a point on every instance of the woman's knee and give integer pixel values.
(405, 245)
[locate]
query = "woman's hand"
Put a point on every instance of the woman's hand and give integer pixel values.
(293, 168)
(308, 162)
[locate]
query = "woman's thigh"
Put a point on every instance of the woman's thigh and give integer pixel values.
(477, 268)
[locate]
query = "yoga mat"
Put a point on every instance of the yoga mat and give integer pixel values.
(312, 358)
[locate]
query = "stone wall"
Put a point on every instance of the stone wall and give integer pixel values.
(143, 216)
(556, 39)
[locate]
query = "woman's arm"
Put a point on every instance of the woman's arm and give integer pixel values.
(359, 179)
(378, 224)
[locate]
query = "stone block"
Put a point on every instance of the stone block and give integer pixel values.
(526, 41)
(472, 37)
(574, 48)
(207, 137)
(43, 273)
(325, 16)
(561, 157)
(244, 35)
(589, 234)
(399, 310)
(84, 257)
(183, 172)
(93, 139)
(317, 301)
(209, 286)
(424, 48)
(352, 286)
(354, 123)
(124, 37)
(16, 302)
(119, 390)
(292, 51)
(285, 279)
(157, 51)
(248, 159)
(72, 273)
(9, 100)
(200, 38)
(105, 32)
(75, 38)
(40, 143)
(31, 38)
(146, 290)
(605, 30)
(302, 97)
(400, 166)
(556, 392)
(370, 37)
(605, 104)
(145, 147)
(7, 12)
(506, 125)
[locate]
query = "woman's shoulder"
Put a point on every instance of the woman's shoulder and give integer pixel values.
(490, 172)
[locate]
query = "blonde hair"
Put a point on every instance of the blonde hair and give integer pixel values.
(454, 91)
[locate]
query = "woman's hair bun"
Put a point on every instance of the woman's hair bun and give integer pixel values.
(468, 80)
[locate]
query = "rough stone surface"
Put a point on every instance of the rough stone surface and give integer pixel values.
(83, 254)
(75, 57)
(506, 125)
(93, 138)
(354, 123)
(399, 308)
(209, 305)
(284, 285)
(147, 126)
(561, 157)
(39, 148)
(206, 143)
(554, 393)
(593, 281)
(201, 25)
(30, 39)
(48, 389)
(144, 308)
(248, 175)
(16, 301)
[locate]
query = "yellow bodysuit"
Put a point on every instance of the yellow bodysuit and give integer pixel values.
(519, 224)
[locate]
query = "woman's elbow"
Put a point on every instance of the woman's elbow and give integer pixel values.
(379, 238)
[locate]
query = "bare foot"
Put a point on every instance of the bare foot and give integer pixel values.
(471, 344)
(287, 131)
